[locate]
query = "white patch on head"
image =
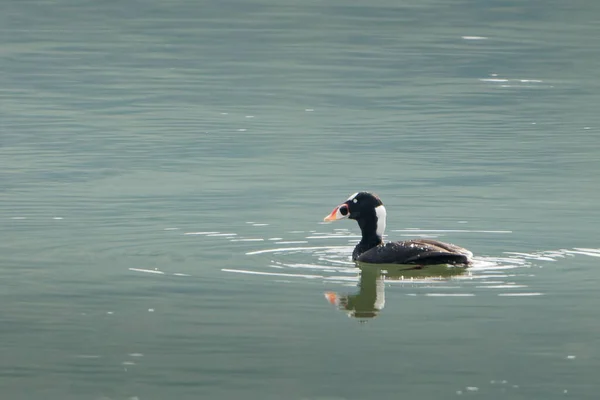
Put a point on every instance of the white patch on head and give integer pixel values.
(381, 220)
(354, 201)
(353, 196)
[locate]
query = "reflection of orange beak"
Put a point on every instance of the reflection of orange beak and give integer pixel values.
(332, 297)
(332, 216)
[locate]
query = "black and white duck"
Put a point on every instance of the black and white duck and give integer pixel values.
(368, 210)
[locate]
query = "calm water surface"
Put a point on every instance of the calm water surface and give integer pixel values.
(165, 168)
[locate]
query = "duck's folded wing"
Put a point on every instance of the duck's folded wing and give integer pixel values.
(423, 252)
(449, 247)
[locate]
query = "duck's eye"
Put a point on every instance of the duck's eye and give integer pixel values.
(344, 210)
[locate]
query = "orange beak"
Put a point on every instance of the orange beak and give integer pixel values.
(332, 216)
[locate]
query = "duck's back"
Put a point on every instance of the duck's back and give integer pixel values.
(417, 251)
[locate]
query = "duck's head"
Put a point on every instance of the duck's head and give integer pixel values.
(364, 207)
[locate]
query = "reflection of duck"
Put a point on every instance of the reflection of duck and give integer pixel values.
(368, 210)
(370, 299)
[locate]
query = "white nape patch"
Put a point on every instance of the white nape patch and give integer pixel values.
(353, 196)
(381, 220)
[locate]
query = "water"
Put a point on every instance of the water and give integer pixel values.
(166, 167)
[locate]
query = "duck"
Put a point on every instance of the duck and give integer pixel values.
(368, 210)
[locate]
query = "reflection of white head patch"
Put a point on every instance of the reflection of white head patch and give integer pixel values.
(352, 197)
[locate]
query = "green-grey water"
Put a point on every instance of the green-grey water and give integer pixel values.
(165, 168)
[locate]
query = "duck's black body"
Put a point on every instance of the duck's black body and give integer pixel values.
(416, 251)
(369, 212)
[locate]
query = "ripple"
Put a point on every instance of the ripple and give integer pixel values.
(156, 272)
(288, 249)
(510, 274)
(490, 274)
(333, 236)
(301, 255)
(249, 272)
(148, 271)
(526, 83)
(415, 230)
(520, 294)
(582, 251)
